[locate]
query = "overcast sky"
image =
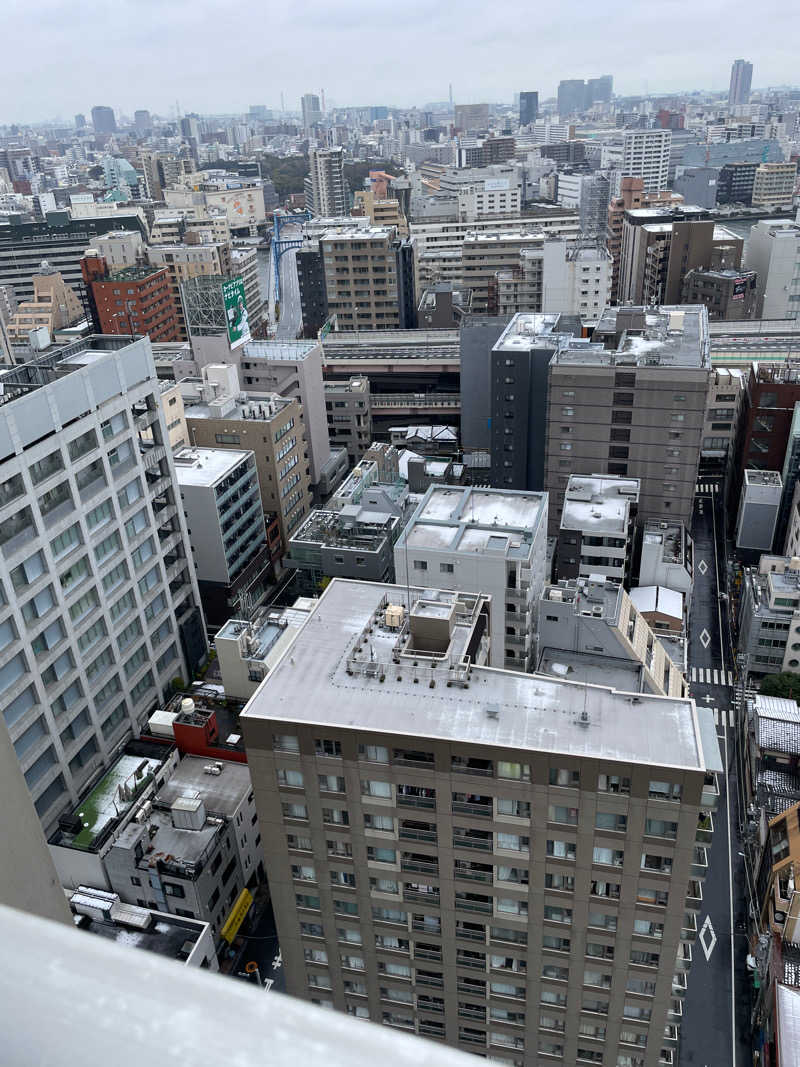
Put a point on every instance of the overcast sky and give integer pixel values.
(58, 57)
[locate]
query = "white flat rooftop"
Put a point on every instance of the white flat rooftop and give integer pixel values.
(310, 684)
(205, 466)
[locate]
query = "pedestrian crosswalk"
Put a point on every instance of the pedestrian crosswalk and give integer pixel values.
(706, 487)
(711, 676)
(724, 716)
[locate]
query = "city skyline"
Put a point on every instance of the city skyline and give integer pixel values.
(84, 65)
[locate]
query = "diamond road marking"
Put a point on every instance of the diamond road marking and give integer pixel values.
(705, 638)
(702, 566)
(708, 938)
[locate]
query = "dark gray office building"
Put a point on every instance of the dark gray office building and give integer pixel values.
(528, 108)
(103, 119)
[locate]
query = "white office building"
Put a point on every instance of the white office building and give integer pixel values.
(482, 541)
(94, 622)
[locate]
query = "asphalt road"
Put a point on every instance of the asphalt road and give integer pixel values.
(261, 947)
(716, 1009)
(291, 318)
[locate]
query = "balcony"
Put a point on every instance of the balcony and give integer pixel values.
(698, 868)
(709, 797)
(473, 766)
(465, 1012)
(144, 421)
(430, 1029)
(468, 959)
(412, 833)
(419, 866)
(406, 800)
(466, 934)
(431, 980)
(160, 485)
(427, 954)
(679, 985)
(689, 927)
(152, 457)
(419, 897)
(705, 829)
(483, 809)
(476, 839)
(466, 903)
(694, 896)
(671, 1035)
(473, 874)
(684, 958)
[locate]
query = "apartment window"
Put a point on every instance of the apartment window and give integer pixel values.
(38, 606)
(610, 820)
(562, 850)
(613, 783)
(325, 747)
(99, 515)
(661, 828)
(287, 777)
(294, 811)
(373, 753)
(419, 565)
(46, 467)
(513, 771)
(564, 777)
(664, 791)
(285, 743)
(29, 571)
(562, 814)
(66, 541)
(376, 789)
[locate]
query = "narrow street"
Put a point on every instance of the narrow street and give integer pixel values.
(716, 1009)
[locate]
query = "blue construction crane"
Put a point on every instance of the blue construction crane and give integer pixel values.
(281, 245)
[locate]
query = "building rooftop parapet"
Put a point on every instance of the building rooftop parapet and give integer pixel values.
(349, 678)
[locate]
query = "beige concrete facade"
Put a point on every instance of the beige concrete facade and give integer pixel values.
(519, 900)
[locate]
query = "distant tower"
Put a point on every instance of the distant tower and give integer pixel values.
(741, 79)
(283, 106)
(322, 98)
(451, 94)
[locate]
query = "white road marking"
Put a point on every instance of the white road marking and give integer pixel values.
(705, 638)
(707, 938)
(702, 566)
(716, 676)
(270, 982)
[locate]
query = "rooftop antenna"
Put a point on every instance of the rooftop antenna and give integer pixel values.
(283, 106)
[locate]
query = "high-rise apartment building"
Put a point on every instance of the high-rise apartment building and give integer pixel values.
(103, 119)
(741, 79)
(528, 108)
(507, 863)
(630, 196)
(491, 541)
(367, 279)
(326, 189)
(312, 113)
(631, 403)
(645, 154)
(100, 601)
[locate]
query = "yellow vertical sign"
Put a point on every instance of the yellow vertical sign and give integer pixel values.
(236, 917)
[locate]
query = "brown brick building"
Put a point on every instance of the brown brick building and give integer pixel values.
(132, 300)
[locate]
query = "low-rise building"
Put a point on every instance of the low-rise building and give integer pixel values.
(247, 650)
(769, 615)
(728, 294)
(759, 506)
(349, 415)
(54, 305)
(597, 524)
(86, 831)
(667, 557)
(178, 857)
(354, 542)
(188, 941)
(661, 608)
(226, 791)
(597, 617)
(483, 541)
